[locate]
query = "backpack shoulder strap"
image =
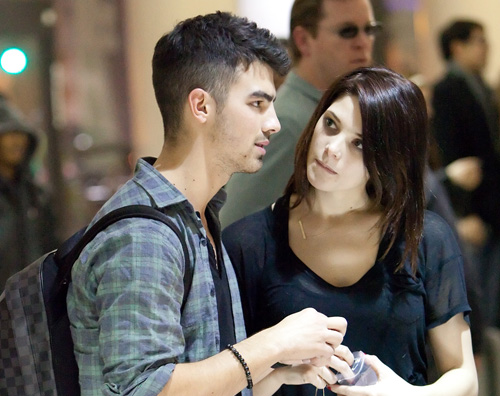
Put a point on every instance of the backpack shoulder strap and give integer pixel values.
(66, 261)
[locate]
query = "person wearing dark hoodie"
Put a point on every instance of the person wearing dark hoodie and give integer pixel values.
(27, 224)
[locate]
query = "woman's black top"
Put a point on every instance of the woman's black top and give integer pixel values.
(388, 313)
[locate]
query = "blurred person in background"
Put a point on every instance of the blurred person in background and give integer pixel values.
(465, 125)
(327, 39)
(27, 223)
(438, 201)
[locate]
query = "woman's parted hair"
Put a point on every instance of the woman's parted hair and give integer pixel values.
(395, 136)
(209, 52)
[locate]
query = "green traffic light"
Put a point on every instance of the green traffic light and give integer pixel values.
(13, 61)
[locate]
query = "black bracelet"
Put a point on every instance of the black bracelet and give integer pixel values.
(243, 363)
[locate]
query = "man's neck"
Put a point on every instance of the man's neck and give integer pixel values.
(304, 71)
(464, 67)
(191, 175)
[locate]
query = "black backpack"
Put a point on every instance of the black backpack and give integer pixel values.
(36, 348)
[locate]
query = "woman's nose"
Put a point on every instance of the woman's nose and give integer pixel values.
(334, 149)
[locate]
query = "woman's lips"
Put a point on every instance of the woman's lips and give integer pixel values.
(326, 167)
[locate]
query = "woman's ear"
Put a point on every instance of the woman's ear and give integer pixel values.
(201, 104)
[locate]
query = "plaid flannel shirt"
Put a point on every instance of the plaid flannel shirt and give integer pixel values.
(125, 298)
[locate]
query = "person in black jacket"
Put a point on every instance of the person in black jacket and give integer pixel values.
(26, 221)
(466, 128)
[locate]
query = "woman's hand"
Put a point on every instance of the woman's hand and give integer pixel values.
(388, 384)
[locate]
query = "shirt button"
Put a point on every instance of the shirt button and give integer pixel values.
(203, 241)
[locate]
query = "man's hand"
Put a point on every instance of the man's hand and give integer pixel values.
(319, 376)
(308, 336)
(467, 172)
(472, 230)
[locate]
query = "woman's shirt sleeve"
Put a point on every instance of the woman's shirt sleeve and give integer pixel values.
(443, 272)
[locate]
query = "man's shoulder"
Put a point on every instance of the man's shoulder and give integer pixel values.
(129, 193)
(450, 91)
(296, 98)
(289, 93)
(294, 110)
(450, 81)
(146, 187)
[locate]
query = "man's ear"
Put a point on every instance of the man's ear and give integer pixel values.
(201, 104)
(301, 36)
(456, 48)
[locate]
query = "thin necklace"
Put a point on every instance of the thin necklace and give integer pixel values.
(316, 393)
(302, 231)
(304, 236)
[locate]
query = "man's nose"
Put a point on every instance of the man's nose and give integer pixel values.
(363, 40)
(271, 124)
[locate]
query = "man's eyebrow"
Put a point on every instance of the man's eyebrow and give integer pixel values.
(263, 95)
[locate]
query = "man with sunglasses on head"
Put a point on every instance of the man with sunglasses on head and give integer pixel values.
(327, 39)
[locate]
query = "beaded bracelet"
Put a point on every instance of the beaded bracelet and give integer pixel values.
(243, 363)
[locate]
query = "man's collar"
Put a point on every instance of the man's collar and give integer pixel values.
(162, 192)
(456, 69)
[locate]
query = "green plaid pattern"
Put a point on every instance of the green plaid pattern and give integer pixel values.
(124, 301)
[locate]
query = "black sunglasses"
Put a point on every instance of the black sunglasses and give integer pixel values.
(350, 31)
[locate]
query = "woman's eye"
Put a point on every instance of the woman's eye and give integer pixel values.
(358, 143)
(330, 123)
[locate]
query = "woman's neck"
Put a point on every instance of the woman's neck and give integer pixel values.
(318, 222)
(328, 205)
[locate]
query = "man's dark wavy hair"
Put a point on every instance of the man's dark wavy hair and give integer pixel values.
(395, 136)
(208, 52)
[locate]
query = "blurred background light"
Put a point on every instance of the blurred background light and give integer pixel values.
(13, 61)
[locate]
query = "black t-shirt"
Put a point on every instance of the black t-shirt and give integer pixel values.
(222, 292)
(223, 297)
(221, 283)
(388, 314)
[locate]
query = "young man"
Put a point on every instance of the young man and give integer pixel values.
(327, 39)
(213, 79)
(26, 220)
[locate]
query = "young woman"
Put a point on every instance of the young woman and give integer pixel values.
(350, 237)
